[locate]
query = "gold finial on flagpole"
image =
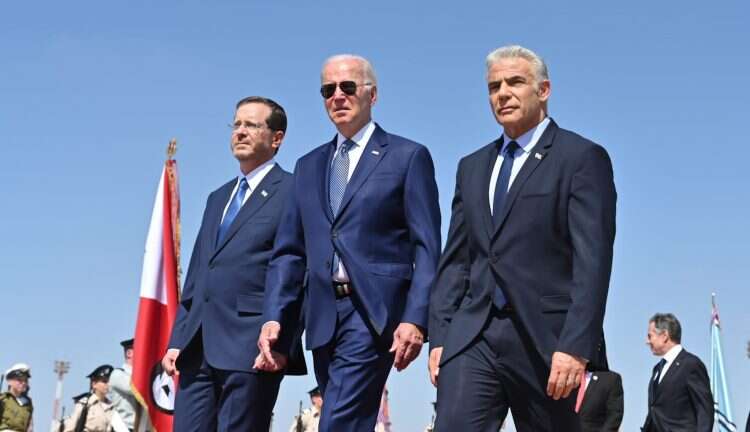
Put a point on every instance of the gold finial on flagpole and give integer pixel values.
(171, 148)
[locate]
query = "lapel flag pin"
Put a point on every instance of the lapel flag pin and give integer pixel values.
(264, 193)
(595, 377)
(375, 152)
(538, 156)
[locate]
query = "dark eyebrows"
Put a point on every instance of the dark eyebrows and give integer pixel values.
(511, 80)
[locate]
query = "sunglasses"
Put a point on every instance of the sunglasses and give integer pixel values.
(348, 87)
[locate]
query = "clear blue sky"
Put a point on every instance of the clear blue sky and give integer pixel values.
(91, 92)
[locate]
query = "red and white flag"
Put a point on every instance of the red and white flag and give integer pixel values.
(158, 303)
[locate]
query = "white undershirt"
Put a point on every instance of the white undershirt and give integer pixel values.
(526, 142)
(253, 178)
(669, 357)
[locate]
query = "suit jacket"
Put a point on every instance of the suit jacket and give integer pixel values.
(682, 401)
(386, 232)
(551, 254)
(602, 407)
(225, 283)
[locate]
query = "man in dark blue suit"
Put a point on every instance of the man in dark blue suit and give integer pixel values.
(679, 391)
(362, 224)
(517, 308)
(214, 338)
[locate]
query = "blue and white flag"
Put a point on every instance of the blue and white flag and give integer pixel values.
(724, 422)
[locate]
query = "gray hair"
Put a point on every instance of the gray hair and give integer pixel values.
(517, 51)
(367, 70)
(669, 323)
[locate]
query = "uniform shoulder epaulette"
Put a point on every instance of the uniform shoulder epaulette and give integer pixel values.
(80, 397)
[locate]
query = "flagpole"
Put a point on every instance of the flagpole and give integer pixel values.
(719, 388)
(159, 299)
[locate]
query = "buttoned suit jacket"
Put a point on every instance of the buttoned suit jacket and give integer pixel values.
(225, 285)
(386, 233)
(682, 401)
(551, 254)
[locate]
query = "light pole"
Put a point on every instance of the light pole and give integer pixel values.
(61, 368)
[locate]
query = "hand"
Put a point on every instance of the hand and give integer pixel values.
(269, 334)
(262, 365)
(565, 374)
(407, 342)
(433, 364)
(169, 362)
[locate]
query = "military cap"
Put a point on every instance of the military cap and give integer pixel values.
(128, 343)
(102, 372)
(18, 370)
(314, 392)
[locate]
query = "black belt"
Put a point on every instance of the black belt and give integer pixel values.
(342, 289)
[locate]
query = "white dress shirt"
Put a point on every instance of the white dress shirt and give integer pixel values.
(253, 178)
(669, 357)
(526, 142)
(360, 140)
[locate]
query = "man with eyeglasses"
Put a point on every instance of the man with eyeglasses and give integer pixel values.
(517, 308)
(214, 338)
(362, 227)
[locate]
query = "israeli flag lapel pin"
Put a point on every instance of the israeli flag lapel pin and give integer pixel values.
(538, 156)
(264, 193)
(376, 153)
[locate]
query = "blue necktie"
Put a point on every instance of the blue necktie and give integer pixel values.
(234, 208)
(657, 373)
(501, 191)
(337, 185)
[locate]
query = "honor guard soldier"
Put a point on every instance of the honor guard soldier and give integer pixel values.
(93, 410)
(307, 420)
(121, 394)
(15, 404)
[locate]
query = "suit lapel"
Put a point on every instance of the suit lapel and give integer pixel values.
(325, 158)
(535, 158)
(591, 389)
(372, 154)
(258, 197)
(486, 164)
(668, 377)
(217, 209)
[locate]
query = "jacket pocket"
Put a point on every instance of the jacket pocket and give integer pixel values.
(555, 303)
(250, 303)
(399, 270)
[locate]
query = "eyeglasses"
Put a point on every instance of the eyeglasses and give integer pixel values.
(348, 87)
(253, 127)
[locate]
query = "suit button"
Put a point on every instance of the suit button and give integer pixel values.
(205, 298)
(495, 258)
(334, 234)
(328, 263)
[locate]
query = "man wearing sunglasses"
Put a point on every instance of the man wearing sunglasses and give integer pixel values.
(362, 225)
(214, 337)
